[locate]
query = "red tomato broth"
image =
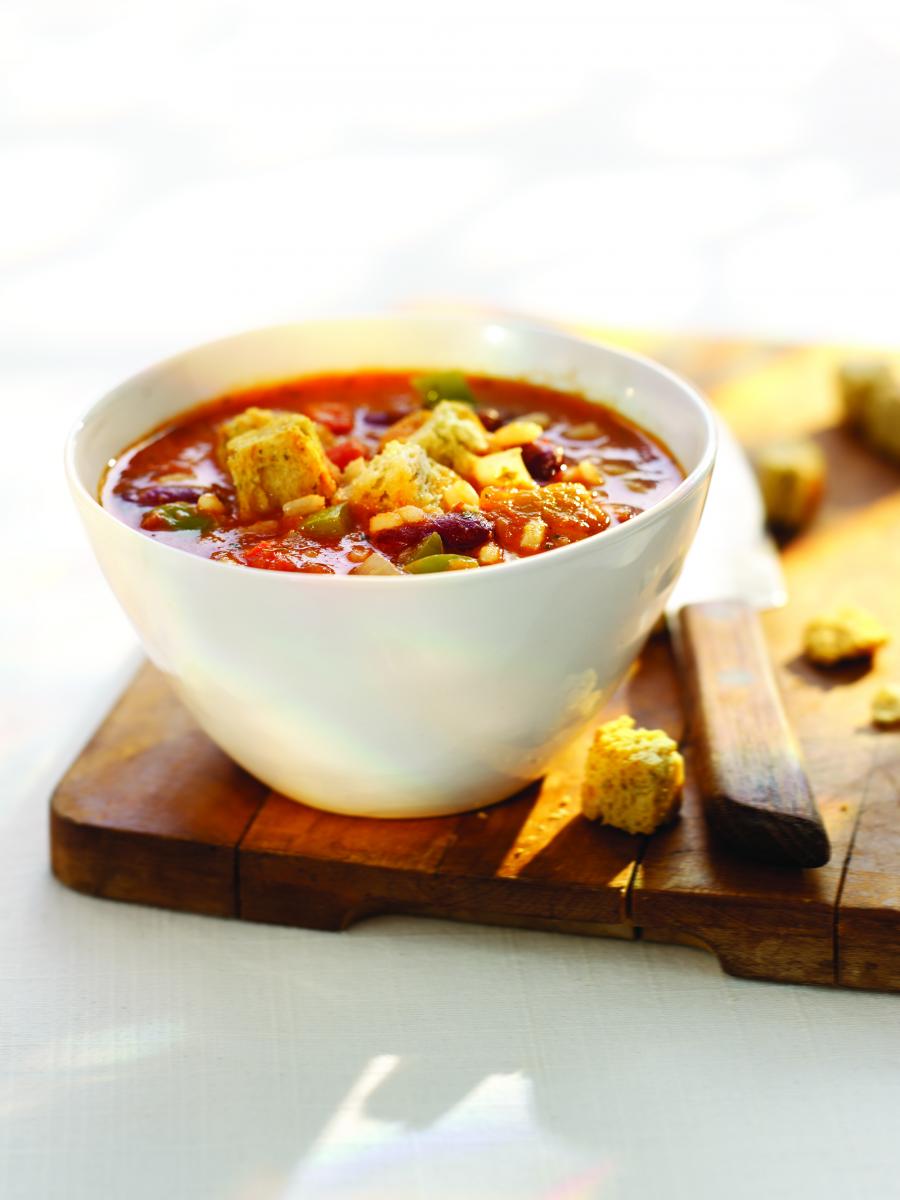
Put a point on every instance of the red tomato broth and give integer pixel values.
(637, 469)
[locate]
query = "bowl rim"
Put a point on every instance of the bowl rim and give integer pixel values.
(652, 515)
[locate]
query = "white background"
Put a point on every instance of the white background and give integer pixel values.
(175, 171)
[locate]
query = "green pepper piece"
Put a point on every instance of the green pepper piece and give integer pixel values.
(331, 522)
(429, 545)
(443, 385)
(441, 562)
(175, 516)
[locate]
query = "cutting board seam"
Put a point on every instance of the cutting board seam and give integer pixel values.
(628, 899)
(845, 870)
(238, 846)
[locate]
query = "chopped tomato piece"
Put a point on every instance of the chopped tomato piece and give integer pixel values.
(333, 415)
(284, 555)
(344, 452)
(531, 519)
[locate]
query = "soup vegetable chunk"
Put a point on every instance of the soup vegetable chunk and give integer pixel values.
(380, 473)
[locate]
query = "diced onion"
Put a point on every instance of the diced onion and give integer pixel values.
(533, 534)
(303, 506)
(376, 564)
(516, 433)
(584, 432)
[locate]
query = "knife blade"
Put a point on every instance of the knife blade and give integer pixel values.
(755, 792)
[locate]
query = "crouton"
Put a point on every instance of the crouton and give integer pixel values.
(404, 427)
(451, 434)
(274, 462)
(858, 381)
(880, 421)
(792, 481)
(886, 705)
(400, 475)
(871, 398)
(842, 634)
(251, 418)
(633, 777)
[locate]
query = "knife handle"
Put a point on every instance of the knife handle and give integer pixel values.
(754, 787)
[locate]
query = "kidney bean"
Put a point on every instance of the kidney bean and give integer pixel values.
(382, 417)
(543, 460)
(462, 531)
(164, 493)
(401, 537)
(490, 418)
(459, 532)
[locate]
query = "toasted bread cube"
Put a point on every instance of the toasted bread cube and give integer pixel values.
(401, 474)
(841, 635)
(886, 705)
(858, 381)
(633, 777)
(792, 482)
(252, 418)
(244, 422)
(451, 433)
(276, 462)
(404, 427)
(880, 421)
(871, 400)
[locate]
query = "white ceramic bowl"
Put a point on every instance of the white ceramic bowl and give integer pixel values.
(398, 697)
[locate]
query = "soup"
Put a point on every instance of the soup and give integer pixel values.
(388, 473)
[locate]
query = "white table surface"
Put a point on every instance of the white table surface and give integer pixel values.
(169, 172)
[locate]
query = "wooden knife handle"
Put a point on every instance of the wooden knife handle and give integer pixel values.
(754, 787)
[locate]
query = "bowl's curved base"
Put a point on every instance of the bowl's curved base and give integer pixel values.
(449, 808)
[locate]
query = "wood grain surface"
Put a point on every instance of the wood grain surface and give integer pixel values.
(153, 813)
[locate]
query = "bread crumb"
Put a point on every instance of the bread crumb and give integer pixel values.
(886, 705)
(842, 634)
(633, 777)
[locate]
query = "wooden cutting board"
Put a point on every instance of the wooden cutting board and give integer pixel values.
(152, 812)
